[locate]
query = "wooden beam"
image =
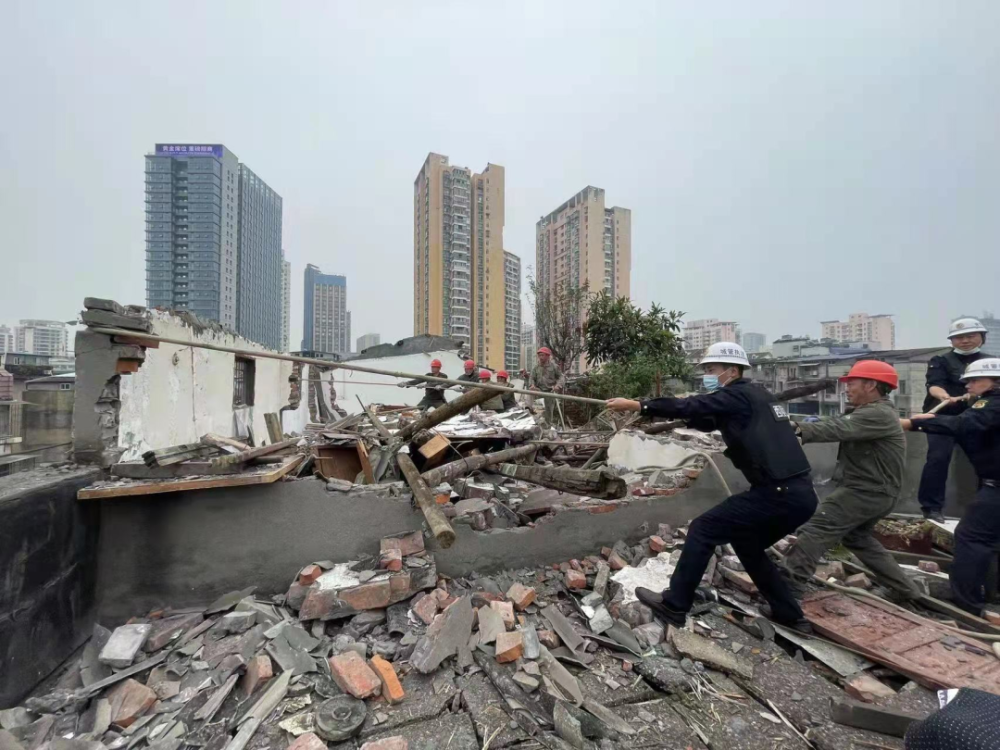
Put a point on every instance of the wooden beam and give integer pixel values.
(139, 470)
(157, 487)
(435, 449)
(860, 716)
(440, 527)
(433, 418)
(240, 458)
(599, 483)
(376, 422)
(224, 442)
(464, 466)
(274, 432)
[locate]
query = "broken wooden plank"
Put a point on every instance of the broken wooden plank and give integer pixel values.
(597, 483)
(156, 487)
(220, 441)
(862, 716)
(434, 449)
(273, 422)
(439, 525)
(463, 403)
(139, 470)
(464, 466)
(243, 457)
(957, 613)
(376, 422)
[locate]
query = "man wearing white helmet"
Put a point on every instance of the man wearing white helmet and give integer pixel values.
(977, 430)
(761, 443)
(944, 384)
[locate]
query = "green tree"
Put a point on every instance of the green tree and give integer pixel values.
(559, 314)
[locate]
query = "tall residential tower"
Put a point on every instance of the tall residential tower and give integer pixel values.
(326, 323)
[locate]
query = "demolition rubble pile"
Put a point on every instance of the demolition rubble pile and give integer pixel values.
(382, 652)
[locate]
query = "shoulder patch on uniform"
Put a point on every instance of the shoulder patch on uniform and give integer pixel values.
(780, 413)
(981, 403)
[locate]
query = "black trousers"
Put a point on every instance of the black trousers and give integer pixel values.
(751, 521)
(935, 475)
(977, 540)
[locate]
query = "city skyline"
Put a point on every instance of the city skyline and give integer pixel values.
(787, 194)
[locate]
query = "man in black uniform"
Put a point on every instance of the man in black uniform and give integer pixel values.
(944, 383)
(433, 392)
(977, 430)
(761, 443)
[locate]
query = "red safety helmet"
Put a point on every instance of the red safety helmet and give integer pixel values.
(503, 374)
(485, 375)
(545, 350)
(435, 363)
(872, 369)
(470, 365)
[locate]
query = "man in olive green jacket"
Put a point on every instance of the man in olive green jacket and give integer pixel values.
(869, 479)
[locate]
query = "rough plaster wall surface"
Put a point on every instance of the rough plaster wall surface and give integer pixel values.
(351, 385)
(180, 392)
(634, 450)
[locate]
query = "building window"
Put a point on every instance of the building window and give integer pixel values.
(243, 381)
(65, 386)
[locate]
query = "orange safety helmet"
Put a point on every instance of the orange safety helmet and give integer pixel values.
(503, 374)
(485, 375)
(435, 363)
(545, 350)
(872, 369)
(470, 365)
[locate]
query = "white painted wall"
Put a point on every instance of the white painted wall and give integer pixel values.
(382, 389)
(180, 392)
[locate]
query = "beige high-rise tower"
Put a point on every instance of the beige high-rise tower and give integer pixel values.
(458, 257)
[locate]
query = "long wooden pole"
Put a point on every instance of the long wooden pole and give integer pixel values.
(463, 403)
(463, 466)
(339, 365)
(442, 530)
(239, 458)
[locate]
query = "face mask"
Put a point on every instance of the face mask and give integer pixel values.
(711, 382)
(969, 351)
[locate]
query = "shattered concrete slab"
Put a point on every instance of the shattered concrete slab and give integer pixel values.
(658, 725)
(489, 711)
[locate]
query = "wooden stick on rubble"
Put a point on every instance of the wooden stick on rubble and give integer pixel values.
(442, 530)
(464, 466)
(463, 403)
(240, 458)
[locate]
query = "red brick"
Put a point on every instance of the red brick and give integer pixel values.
(399, 586)
(692, 473)
(389, 743)
(929, 566)
(259, 671)
(864, 687)
(506, 612)
(858, 581)
(426, 608)
(442, 595)
(407, 544)
(575, 565)
(353, 676)
(484, 598)
(575, 579)
(627, 665)
(617, 562)
(309, 574)
(510, 646)
(606, 508)
(521, 596)
(606, 552)
(549, 638)
(656, 545)
(392, 691)
(307, 741)
(391, 559)
(296, 595)
(129, 701)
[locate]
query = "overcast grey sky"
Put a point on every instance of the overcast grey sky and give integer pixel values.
(785, 162)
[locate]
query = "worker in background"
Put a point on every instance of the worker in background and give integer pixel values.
(494, 403)
(509, 402)
(977, 430)
(761, 443)
(470, 375)
(548, 378)
(944, 383)
(869, 479)
(433, 392)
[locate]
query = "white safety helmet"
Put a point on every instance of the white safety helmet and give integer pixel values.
(725, 353)
(983, 368)
(963, 326)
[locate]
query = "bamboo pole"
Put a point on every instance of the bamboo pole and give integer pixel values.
(442, 530)
(339, 365)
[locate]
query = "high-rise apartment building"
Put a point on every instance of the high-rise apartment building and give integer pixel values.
(286, 304)
(701, 334)
(458, 257)
(529, 354)
(754, 342)
(213, 239)
(46, 337)
(512, 313)
(6, 339)
(367, 341)
(326, 323)
(878, 331)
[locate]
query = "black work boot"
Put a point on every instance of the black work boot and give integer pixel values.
(934, 515)
(654, 600)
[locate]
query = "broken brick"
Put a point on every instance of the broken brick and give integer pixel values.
(506, 612)
(549, 638)
(309, 574)
(833, 569)
(510, 646)
(656, 545)
(929, 566)
(484, 598)
(259, 671)
(521, 596)
(616, 561)
(606, 552)
(739, 579)
(296, 595)
(575, 565)
(389, 743)
(354, 676)
(392, 691)
(307, 741)
(864, 687)
(391, 559)
(426, 608)
(575, 579)
(407, 544)
(165, 630)
(782, 546)
(665, 531)
(367, 596)
(858, 581)
(129, 701)
(124, 644)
